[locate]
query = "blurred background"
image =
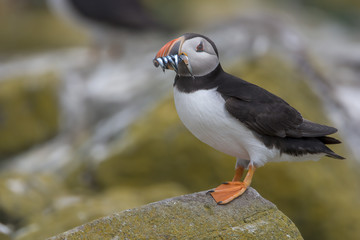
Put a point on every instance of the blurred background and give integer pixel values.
(88, 126)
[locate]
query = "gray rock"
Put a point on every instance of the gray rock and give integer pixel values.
(194, 216)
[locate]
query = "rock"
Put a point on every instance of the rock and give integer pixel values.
(48, 203)
(23, 196)
(194, 216)
(24, 41)
(29, 112)
(5, 232)
(4, 237)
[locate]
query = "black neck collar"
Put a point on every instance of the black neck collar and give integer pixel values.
(189, 84)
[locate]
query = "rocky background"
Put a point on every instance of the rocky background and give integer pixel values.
(89, 128)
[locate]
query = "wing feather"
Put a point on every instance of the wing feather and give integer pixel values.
(265, 113)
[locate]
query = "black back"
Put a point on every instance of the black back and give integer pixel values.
(272, 120)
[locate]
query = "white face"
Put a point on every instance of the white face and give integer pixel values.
(202, 57)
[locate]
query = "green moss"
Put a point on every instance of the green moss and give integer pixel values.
(4, 237)
(18, 34)
(23, 196)
(29, 112)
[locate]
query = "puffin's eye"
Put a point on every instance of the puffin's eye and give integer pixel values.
(200, 47)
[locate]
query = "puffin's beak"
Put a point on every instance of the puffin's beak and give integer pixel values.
(169, 56)
(170, 47)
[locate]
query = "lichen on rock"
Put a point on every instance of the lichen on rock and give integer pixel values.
(193, 216)
(29, 111)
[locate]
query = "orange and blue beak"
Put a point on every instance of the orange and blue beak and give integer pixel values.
(170, 55)
(172, 46)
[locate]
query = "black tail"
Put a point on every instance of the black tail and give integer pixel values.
(329, 152)
(334, 155)
(328, 140)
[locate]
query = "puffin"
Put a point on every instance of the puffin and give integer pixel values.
(237, 117)
(115, 14)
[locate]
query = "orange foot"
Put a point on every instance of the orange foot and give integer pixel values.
(228, 191)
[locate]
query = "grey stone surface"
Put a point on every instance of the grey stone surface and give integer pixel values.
(193, 216)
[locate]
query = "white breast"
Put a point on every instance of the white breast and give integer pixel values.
(203, 113)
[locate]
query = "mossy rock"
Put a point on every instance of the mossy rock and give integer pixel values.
(17, 32)
(24, 195)
(70, 209)
(4, 237)
(194, 216)
(27, 203)
(29, 112)
(159, 148)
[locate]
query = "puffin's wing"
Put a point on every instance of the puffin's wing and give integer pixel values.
(311, 129)
(267, 114)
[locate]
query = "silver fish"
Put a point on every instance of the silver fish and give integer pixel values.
(173, 61)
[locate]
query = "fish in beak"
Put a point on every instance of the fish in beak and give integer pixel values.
(170, 56)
